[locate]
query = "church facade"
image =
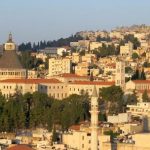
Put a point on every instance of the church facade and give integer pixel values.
(10, 66)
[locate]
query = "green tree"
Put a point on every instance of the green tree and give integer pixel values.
(143, 76)
(132, 39)
(145, 97)
(128, 70)
(139, 75)
(131, 99)
(54, 135)
(113, 99)
(135, 56)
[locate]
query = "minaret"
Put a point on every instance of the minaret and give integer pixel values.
(94, 120)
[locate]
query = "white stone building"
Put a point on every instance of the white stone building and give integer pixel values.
(59, 66)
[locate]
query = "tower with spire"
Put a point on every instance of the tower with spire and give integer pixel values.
(94, 120)
(120, 74)
(10, 45)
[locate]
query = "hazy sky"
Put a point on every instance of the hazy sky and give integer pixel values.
(33, 20)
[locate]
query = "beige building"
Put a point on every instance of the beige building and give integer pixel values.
(123, 146)
(41, 56)
(141, 109)
(68, 78)
(32, 74)
(95, 45)
(139, 86)
(82, 69)
(52, 87)
(120, 118)
(126, 50)
(89, 58)
(116, 34)
(79, 138)
(79, 87)
(59, 66)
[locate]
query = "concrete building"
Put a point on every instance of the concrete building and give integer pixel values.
(80, 139)
(95, 45)
(116, 34)
(141, 109)
(59, 66)
(120, 118)
(82, 69)
(41, 56)
(78, 87)
(126, 50)
(58, 88)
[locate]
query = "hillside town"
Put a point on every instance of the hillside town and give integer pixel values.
(108, 71)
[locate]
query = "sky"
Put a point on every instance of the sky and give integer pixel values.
(35, 20)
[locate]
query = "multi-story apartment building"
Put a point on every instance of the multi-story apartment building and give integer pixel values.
(59, 66)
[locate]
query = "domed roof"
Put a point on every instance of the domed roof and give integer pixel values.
(10, 60)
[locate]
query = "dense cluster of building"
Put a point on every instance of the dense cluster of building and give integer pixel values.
(74, 73)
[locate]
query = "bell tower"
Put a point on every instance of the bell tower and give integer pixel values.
(10, 38)
(10, 45)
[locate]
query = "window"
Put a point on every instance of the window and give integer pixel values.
(65, 94)
(82, 137)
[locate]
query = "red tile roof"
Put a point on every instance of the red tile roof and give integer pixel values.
(141, 81)
(30, 81)
(93, 82)
(69, 75)
(20, 147)
(75, 127)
